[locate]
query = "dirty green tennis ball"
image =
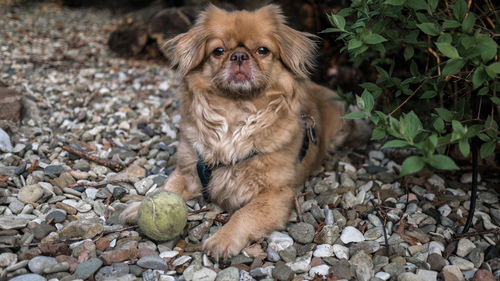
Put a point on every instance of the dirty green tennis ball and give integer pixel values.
(162, 215)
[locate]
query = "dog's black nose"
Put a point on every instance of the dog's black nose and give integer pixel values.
(239, 57)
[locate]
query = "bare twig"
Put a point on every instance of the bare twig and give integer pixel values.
(115, 166)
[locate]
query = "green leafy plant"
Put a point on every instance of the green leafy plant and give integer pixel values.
(437, 72)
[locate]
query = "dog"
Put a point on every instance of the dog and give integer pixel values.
(253, 125)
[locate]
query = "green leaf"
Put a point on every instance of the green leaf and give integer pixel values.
(354, 43)
(458, 130)
(368, 101)
(487, 149)
(429, 28)
(408, 53)
(374, 38)
(337, 20)
(417, 4)
(395, 143)
(478, 77)
(330, 30)
(453, 66)
(354, 115)
(433, 4)
(442, 162)
(495, 100)
(395, 2)
(464, 147)
(444, 113)
(483, 91)
(428, 94)
(488, 48)
(412, 165)
(459, 10)
(378, 133)
(450, 24)
(448, 50)
(410, 126)
(494, 67)
(468, 23)
(414, 69)
(438, 124)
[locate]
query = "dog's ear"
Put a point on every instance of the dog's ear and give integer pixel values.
(297, 49)
(186, 51)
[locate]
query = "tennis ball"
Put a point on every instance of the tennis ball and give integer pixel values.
(162, 215)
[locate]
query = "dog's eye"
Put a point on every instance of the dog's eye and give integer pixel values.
(218, 52)
(262, 51)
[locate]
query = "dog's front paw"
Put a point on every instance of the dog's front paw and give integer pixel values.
(224, 243)
(129, 215)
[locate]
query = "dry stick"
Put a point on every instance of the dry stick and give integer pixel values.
(115, 166)
(379, 211)
(407, 99)
(101, 183)
(106, 211)
(199, 211)
(297, 205)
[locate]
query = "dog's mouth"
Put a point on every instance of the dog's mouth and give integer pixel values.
(240, 77)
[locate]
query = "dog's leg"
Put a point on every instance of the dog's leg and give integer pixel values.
(267, 211)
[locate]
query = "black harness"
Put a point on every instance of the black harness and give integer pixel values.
(205, 170)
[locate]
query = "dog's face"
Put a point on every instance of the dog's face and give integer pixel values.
(241, 53)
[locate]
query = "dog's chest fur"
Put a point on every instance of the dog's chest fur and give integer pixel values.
(228, 133)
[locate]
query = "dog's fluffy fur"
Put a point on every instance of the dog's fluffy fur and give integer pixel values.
(244, 88)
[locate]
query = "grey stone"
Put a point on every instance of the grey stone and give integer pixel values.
(363, 266)
(228, 274)
(394, 269)
(30, 193)
(53, 171)
(409, 276)
(282, 272)
(57, 216)
(476, 256)
(302, 232)
(153, 262)
(5, 145)
(436, 261)
(351, 234)
(88, 268)
(464, 247)
(462, 263)
(7, 259)
(199, 273)
(29, 277)
(39, 263)
(289, 254)
(342, 269)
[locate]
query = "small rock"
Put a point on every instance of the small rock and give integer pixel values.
(427, 275)
(319, 269)
(39, 263)
(228, 274)
(5, 145)
(408, 276)
(41, 230)
(363, 266)
(115, 270)
(289, 254)
(143, 185)
(10, 109)
(452, 273)
(323, 250)
(199, 273)
(82, 228)
(277, 241)
(302, 232)
(464, 247)
(7, 259)
(282, 272)
(301, 264)
(462, 263)
(53, 171)
(57, 216)
(153, 262)
(341, 252)
(29, 277)
(351, 234)
(483, 275)
(88, 268)
(30, 193)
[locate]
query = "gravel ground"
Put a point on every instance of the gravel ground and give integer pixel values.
(58, 211)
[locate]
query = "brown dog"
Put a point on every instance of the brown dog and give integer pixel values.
(253, 126)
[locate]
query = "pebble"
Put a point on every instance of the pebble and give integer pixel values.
(29, 277)
(7, 259)
(39, 263)
(282, 271)
(351, 234)
(302, 232)
(452, 273)
(153, 262)
(88, 268)
(30, 193)
(199, 273)
(278, 241)
(363, 266)
(462, 263)
(57, 216)
(228, 274)
(464, 247)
